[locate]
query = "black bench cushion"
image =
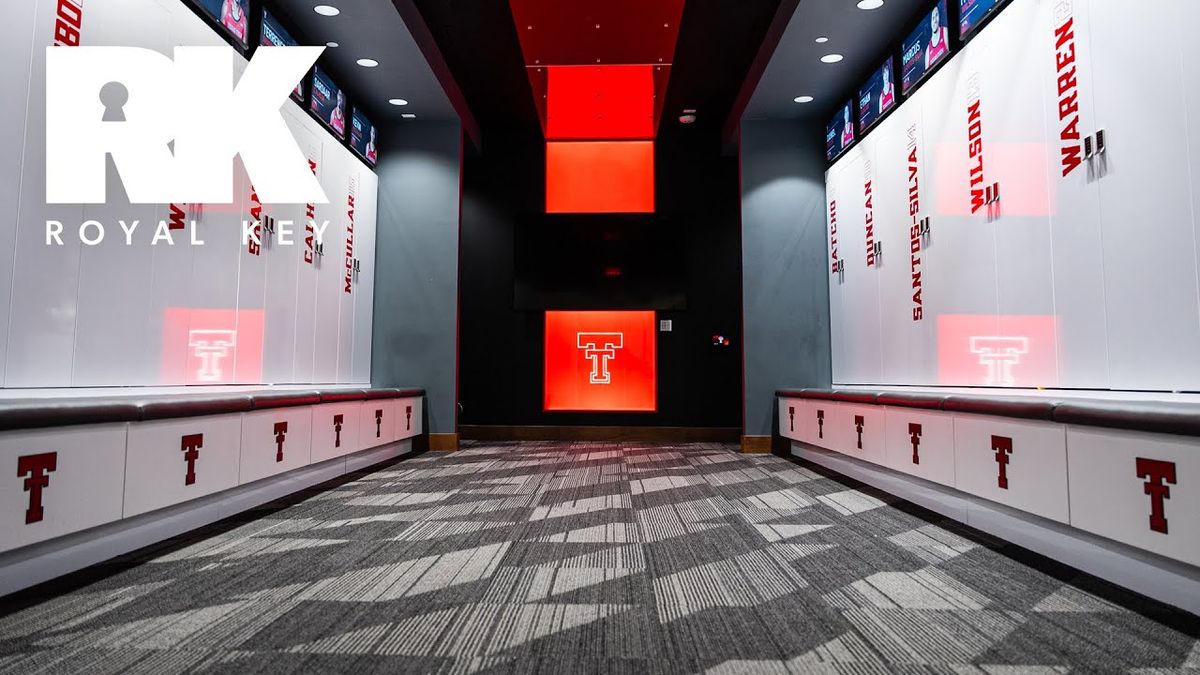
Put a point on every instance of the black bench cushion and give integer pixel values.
(914, 400)
(1159, 417)
(1003, 406)
(36, 413)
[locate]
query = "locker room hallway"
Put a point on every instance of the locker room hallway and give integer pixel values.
(590, 557)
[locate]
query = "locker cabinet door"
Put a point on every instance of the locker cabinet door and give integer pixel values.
(834, 197)
(335, 178)
(1145, 195)
(1189, 15)
(45, 278)
(310, 264)
(860, 290)
(352, 271)
(1012, 58)
(907, 338)
(961, 295)
(1076, 244)
(364, 294)
(115, 279)
(17, 56)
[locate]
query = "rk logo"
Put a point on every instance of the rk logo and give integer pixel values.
(337, 430)
(859, 423)
(378, 422)
(167, 124)
(600, 348)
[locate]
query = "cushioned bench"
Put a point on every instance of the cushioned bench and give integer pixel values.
(100, 475)
(1165, 417)
(39, 413)
(1125, 470)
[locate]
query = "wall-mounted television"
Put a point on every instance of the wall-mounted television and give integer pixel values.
(925, 47)
(839, 133)
(362, 137)
(328, 102)
(273, 34)
(973, 13)
(233, 16)
(877, 95)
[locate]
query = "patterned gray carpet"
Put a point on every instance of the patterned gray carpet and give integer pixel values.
(581, 558)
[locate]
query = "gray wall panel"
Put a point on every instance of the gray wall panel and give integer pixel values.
(785, 282)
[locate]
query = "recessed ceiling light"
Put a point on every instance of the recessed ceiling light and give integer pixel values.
(367, 63)
(803, 99)
(327, 10)
(397, 101)
(870, 4)
(331, 44)
(821, 40)
(409, 116)
(831, 58)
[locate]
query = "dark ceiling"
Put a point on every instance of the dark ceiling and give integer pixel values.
(863, 37)
(371, 29)
(481, 46)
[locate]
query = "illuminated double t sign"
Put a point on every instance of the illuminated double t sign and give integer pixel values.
(600, 362)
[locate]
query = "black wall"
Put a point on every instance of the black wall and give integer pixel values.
(501, 349)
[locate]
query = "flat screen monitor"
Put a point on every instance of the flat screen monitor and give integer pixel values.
(972, 14)
(362, 137)
(926, 46)
(233, 16)
(877, 95)
(328, 102)
(275, 35)
(839, 133)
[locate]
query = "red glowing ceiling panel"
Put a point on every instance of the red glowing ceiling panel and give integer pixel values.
(600, 102)
(601, 362)
(600, 177)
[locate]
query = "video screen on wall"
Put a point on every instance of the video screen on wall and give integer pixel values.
(328, 102)
(231, 15)
(971, 13)
(362, 137)
(925, 47)
(839, 133)
(877, 96)
(275, 35)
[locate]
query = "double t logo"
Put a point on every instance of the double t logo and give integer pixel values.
(1157, 474)
(190, 445)
(36, 469)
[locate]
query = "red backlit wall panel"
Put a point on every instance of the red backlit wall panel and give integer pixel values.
(601, 362)
(600, 177)
(600, 102)
(997, 351)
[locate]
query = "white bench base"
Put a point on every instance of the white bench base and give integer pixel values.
(34, 564)
(1168, 581)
